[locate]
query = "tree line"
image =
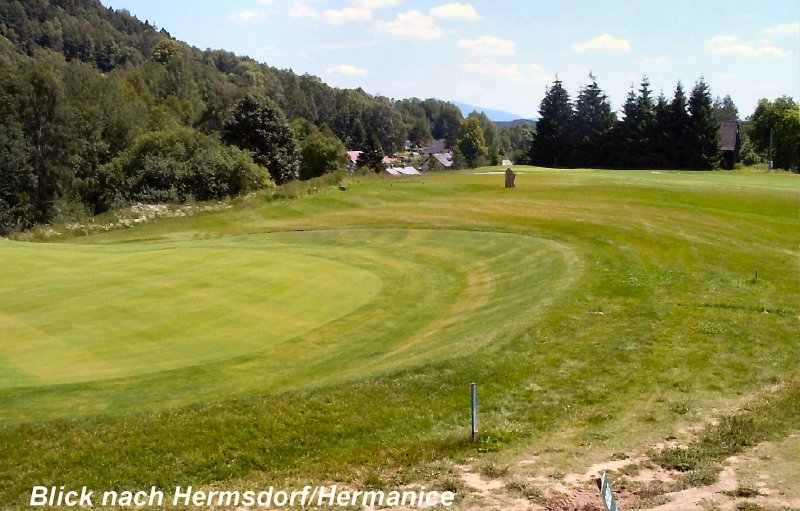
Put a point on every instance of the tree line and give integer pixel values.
(653, 133)
(101, 109)
(680, 132)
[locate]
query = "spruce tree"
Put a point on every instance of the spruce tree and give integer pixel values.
(661, 142)
(646, 132)
(592, 123)
(625, 134)
(678, 129)
(552, 142)
(704, 147)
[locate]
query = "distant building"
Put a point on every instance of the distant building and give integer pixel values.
(353, 155)
(444, 159)
(437, 147)
(507, 163)
(402, 171)
(730, 143)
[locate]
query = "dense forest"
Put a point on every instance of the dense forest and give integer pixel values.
(101, 109)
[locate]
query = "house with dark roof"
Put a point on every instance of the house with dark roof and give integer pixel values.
(730, 143)
(437, 147)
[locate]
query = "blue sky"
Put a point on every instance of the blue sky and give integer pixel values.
(501, 54)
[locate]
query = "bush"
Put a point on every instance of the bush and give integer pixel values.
(174, 165)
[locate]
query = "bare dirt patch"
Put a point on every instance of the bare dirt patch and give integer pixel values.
(638, 484)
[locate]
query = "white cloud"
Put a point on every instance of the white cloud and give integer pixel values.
(532, 73)
(657, 61)
(412, 24)
(603, 42)
(728, 45)
(455, 11)
(488, 45)
(372, 5)
(492, 68)
(339, 17)
(785, 29)
(537, 74)
(345, 69)
(303, 11)
(721, 40)
(345, 45)
(331, 16)
(247, 15)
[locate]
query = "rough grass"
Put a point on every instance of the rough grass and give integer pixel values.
(601, 303)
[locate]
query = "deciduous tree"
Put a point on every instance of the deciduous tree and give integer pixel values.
(321, 152)
(258, 125)
(471, 142)
(781, 118)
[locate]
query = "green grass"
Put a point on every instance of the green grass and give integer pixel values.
(89, 313)
(597, 310)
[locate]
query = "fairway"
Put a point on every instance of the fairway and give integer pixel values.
(289, 310)
(334, 337)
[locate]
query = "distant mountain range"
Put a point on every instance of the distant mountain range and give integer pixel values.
(494, 115)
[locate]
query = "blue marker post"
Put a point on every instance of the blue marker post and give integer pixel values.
(474, 410)
(606, 494)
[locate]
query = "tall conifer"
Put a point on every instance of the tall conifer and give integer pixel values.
(705, 149)
(552, 143)
(592, 123)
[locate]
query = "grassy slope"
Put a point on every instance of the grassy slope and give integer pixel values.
(668, 258)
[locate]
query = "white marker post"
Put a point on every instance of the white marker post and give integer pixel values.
(474, 409)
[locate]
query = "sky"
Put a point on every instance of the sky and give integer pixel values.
(502, 54)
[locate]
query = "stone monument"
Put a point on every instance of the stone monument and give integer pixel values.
(510, 176)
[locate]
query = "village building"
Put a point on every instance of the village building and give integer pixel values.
(730, 143)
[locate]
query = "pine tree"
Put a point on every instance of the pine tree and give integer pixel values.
(704, 147)
(552, 143)
(592, 123)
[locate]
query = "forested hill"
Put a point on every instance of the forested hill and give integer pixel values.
(210, 81)
(101, 109)
(80, 30)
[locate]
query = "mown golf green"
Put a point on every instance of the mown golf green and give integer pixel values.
(333, 337)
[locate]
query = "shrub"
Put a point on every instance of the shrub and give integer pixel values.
(173, 165)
